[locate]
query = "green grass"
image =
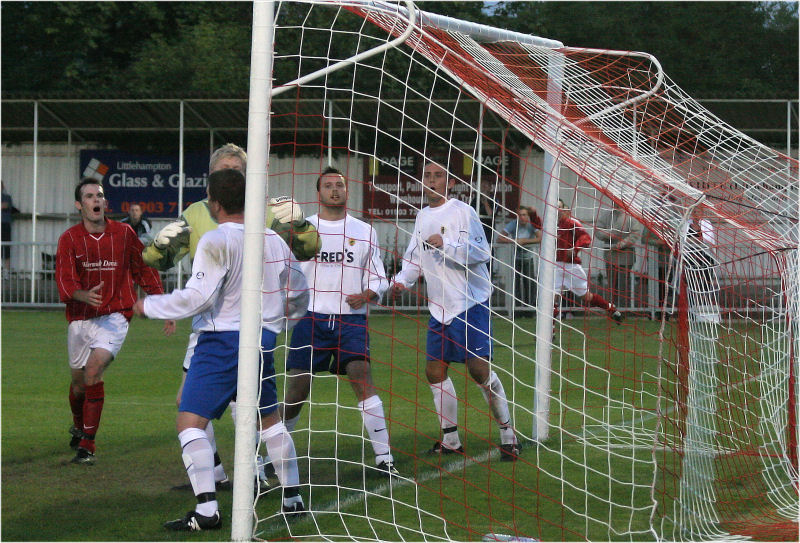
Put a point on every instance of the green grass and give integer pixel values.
(559, 490)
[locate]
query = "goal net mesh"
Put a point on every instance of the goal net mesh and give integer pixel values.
(680, 422)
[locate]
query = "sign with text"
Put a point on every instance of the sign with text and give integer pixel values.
(148, 180)
(393, 186)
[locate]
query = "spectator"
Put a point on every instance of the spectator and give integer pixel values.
(525, 231)
(621, 233)
(8, 210)
(654, 248)
(699, 254)
(139, 223)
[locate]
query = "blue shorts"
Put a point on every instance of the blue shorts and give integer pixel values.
(469, 335)
(323, 342)
(212, 376)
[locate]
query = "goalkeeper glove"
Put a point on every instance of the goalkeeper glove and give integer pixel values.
(286, 210)
(170, 233)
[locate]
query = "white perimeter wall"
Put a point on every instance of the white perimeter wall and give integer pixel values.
(295, 176)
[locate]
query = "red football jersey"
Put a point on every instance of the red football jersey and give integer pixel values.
(571, 234)
(114, 257)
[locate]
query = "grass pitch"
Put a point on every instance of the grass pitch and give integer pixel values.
(128, 496)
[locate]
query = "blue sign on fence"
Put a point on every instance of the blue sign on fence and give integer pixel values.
(148, 180)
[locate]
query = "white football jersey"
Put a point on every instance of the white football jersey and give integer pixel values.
(457, 275)
(349, 262)
(213, 293)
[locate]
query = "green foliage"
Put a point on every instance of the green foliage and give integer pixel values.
(203, 48)
(108, 48)
(709, 48)
(191, 62)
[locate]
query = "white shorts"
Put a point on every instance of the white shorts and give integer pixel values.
(187, 360)
(106, 332)
(571, 277)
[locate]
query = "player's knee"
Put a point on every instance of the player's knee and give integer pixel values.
(92, 375)
(436, 371)
(359, 374)
(478, 370)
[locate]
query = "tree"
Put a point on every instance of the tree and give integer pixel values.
(719, 49)
(710, 49)
(143, 48)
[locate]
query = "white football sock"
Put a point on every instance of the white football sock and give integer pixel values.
(211, 437)
(232, 407)
(280, 448)
(198, 457)
(446, 403)
(495, 396)
(219, 470)
(375, 424)
(207, 509)
(288, 501)
(262, 461)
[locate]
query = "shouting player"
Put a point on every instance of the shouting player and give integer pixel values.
(97, 263)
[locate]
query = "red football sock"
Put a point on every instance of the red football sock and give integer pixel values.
(599, 301)
(76, 405)
(92, 409)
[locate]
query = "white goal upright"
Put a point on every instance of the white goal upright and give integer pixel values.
(680, 423)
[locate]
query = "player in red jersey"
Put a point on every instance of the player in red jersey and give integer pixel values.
(97, 263)
(570, 275)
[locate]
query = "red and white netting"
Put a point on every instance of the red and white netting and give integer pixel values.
(680, 423)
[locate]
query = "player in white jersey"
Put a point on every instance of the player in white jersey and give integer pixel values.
(449, 248)
(213, 296)
(345, 277)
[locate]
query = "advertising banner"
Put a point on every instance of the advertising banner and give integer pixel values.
(148, 180)
(393, 187)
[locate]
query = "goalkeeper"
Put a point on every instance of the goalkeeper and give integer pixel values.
(181, 237)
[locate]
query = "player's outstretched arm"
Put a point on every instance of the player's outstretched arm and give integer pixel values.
(169, 246)
(286, 218)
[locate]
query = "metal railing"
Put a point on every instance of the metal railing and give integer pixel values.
(28, 281)
(28, 275)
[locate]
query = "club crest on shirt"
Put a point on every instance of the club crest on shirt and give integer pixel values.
(351, 241)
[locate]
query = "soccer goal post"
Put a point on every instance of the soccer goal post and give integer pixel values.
(644, 289)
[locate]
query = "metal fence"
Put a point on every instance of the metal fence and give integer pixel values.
(28, 281)
(28, 275)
